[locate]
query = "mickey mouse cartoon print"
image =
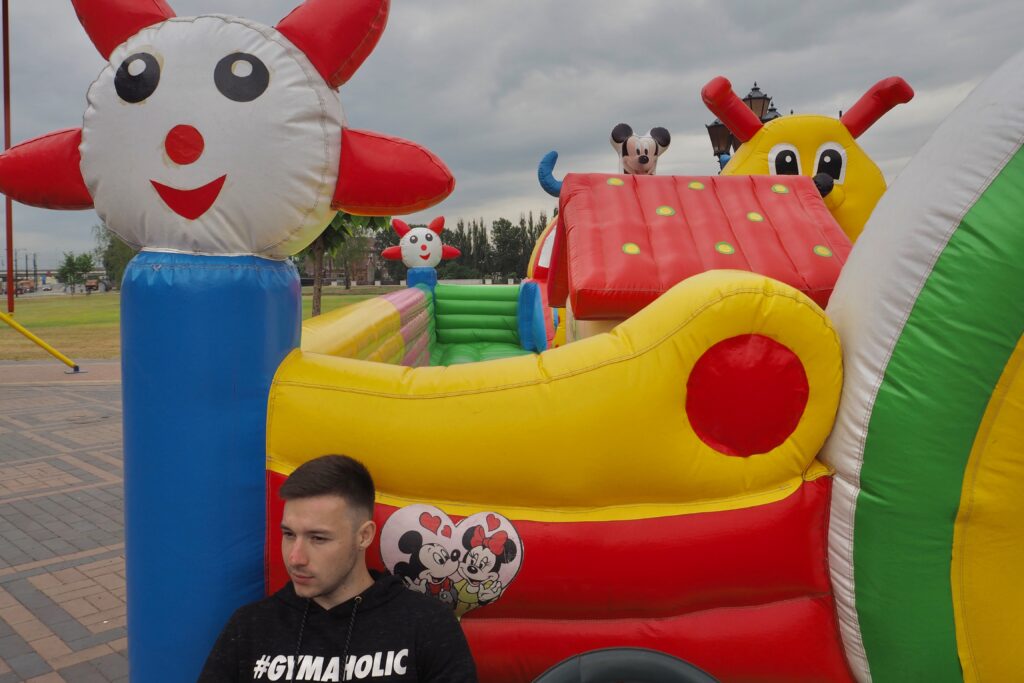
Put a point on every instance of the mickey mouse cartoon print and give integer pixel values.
(638, 154)
(464, 565)
(431, 565)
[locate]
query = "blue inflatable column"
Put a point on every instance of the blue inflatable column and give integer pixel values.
(201, 338)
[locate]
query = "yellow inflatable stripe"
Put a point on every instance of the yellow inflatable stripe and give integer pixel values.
(816, 470)
(356, 331)
(600, 423)
(988, 537)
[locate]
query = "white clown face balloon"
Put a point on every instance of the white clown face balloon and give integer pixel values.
(212, 135)
(421, 248)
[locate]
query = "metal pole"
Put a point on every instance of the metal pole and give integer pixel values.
(9, 208)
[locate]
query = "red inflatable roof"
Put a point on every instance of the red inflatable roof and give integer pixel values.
(623, 240)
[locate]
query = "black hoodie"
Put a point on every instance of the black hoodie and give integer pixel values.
(389, 633)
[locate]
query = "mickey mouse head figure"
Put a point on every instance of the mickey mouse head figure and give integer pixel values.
(420, 247)
(430, 566)
(638, 154)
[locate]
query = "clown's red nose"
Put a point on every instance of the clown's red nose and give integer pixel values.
(184, 144)
(423, 247)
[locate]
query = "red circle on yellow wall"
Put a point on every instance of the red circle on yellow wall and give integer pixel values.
(746, 395)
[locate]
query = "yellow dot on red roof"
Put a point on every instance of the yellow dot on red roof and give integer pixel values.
(822, 250)
(755, 217)
(665, 211)
(725, 248)
(630, 248)
(696, 185)
(616, 182)
(779, 188)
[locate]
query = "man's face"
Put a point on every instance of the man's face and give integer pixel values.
(323, 540)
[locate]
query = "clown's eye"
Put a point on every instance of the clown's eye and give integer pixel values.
(430, 238)
(241, 77)
(137, 77)
(414, 239)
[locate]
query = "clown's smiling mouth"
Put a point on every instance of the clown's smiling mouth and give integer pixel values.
(190, 204)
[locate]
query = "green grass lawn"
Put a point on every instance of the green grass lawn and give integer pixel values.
(88, 327)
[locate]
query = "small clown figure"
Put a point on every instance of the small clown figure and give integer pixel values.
(420, 247)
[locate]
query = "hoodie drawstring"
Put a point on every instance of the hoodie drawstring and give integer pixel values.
(302, 627)
(348, 636)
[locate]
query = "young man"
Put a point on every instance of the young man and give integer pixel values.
(335, 621)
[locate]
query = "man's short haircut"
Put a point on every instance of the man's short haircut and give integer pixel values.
(337, 475)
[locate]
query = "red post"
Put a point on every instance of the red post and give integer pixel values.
(7, 145)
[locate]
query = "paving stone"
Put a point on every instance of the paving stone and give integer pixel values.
(13, 645)
(112, 666)
(82, 673)
(28, 665)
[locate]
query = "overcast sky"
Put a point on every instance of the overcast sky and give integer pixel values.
(491, 86)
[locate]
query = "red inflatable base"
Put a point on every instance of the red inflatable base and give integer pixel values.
(744, 594)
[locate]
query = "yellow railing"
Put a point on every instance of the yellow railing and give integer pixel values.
(39, 342)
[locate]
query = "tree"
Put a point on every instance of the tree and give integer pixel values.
(74, 268)
(387, 237)
(354, 249)
(508, 247)
(327, 245)
(113, 253)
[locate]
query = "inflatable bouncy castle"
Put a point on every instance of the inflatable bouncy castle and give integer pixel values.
(772, 454)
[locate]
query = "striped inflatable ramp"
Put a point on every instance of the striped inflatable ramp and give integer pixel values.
(927, 526)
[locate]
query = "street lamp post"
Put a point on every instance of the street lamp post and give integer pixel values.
(723, 141)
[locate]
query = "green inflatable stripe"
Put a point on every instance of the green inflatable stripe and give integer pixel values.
(457, 306)
(937, 385)
(478, 292)
(468, 335)
(483, 322)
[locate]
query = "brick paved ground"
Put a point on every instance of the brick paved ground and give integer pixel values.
(62, 593)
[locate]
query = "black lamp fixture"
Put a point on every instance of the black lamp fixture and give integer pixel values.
(757, 101)
(721, 138)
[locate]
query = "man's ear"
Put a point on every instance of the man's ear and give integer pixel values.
(367, 530)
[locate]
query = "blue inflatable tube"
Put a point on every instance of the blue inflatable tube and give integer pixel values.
(201, 339)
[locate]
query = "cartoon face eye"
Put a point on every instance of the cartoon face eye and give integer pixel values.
(831, 159)
(430, 237)
(241, 77)
(414, 239)
(440, 557)
(783, 159)
(137, 77)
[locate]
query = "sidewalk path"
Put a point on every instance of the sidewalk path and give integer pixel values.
(62, 593)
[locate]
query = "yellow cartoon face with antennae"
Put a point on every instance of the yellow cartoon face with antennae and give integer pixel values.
(821, 147)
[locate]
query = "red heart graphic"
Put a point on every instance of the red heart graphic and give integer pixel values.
(492, 523)
(446, 532)
(431, 522)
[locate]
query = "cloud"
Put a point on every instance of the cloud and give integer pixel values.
(491, 86)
